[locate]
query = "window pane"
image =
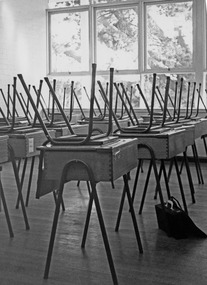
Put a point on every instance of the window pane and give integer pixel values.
(117, 38)
(169, 35)
(107, 1)
(70, 3)
(69, 42)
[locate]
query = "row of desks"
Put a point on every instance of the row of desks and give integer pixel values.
(165, 145)
(106, 162)
(173, 141)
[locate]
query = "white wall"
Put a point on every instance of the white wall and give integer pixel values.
(22, 40)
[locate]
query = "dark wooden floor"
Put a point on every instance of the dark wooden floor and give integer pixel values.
(164, 261)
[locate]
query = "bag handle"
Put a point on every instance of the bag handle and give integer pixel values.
(176, 202)
(170, 204)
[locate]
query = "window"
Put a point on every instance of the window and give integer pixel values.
(169, 35)
(136, 37)
(117, 38)
(69, 3)
(69, 42)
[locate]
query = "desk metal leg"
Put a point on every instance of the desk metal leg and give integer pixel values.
(189, 177)
(163, 169)
(99, 214)
(197, 164)
(87, 216)
(16, 174)
(145, 188)
(104, 234)
(157, 178)
(30, 181)
(22, 181)
(170, 170)
(139, 167)
(180, 185)
(126, 189)
(184, 162)
(6, 209)
(19, 164)
(165, 178)
(52, 237)
(204, 142)
(55, 198)
(120, 211)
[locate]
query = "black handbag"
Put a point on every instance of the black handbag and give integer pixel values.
(175, 221)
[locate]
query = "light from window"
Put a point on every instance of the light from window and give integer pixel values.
(117, 38)
(69, 42)
(169, 38)
(70, 3)
(107, 1)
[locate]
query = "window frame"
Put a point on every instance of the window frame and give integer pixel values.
(164, 70)
(54, 11)
(123, 5)
(199, 66)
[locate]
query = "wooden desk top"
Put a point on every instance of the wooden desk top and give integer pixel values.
(25, 144)
(165, 145)
(200, 127)
(108, 162)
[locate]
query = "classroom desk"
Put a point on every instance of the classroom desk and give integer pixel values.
(24, 144)
(165, 146)
(7, 154)
(93, 163)
(200, 126)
